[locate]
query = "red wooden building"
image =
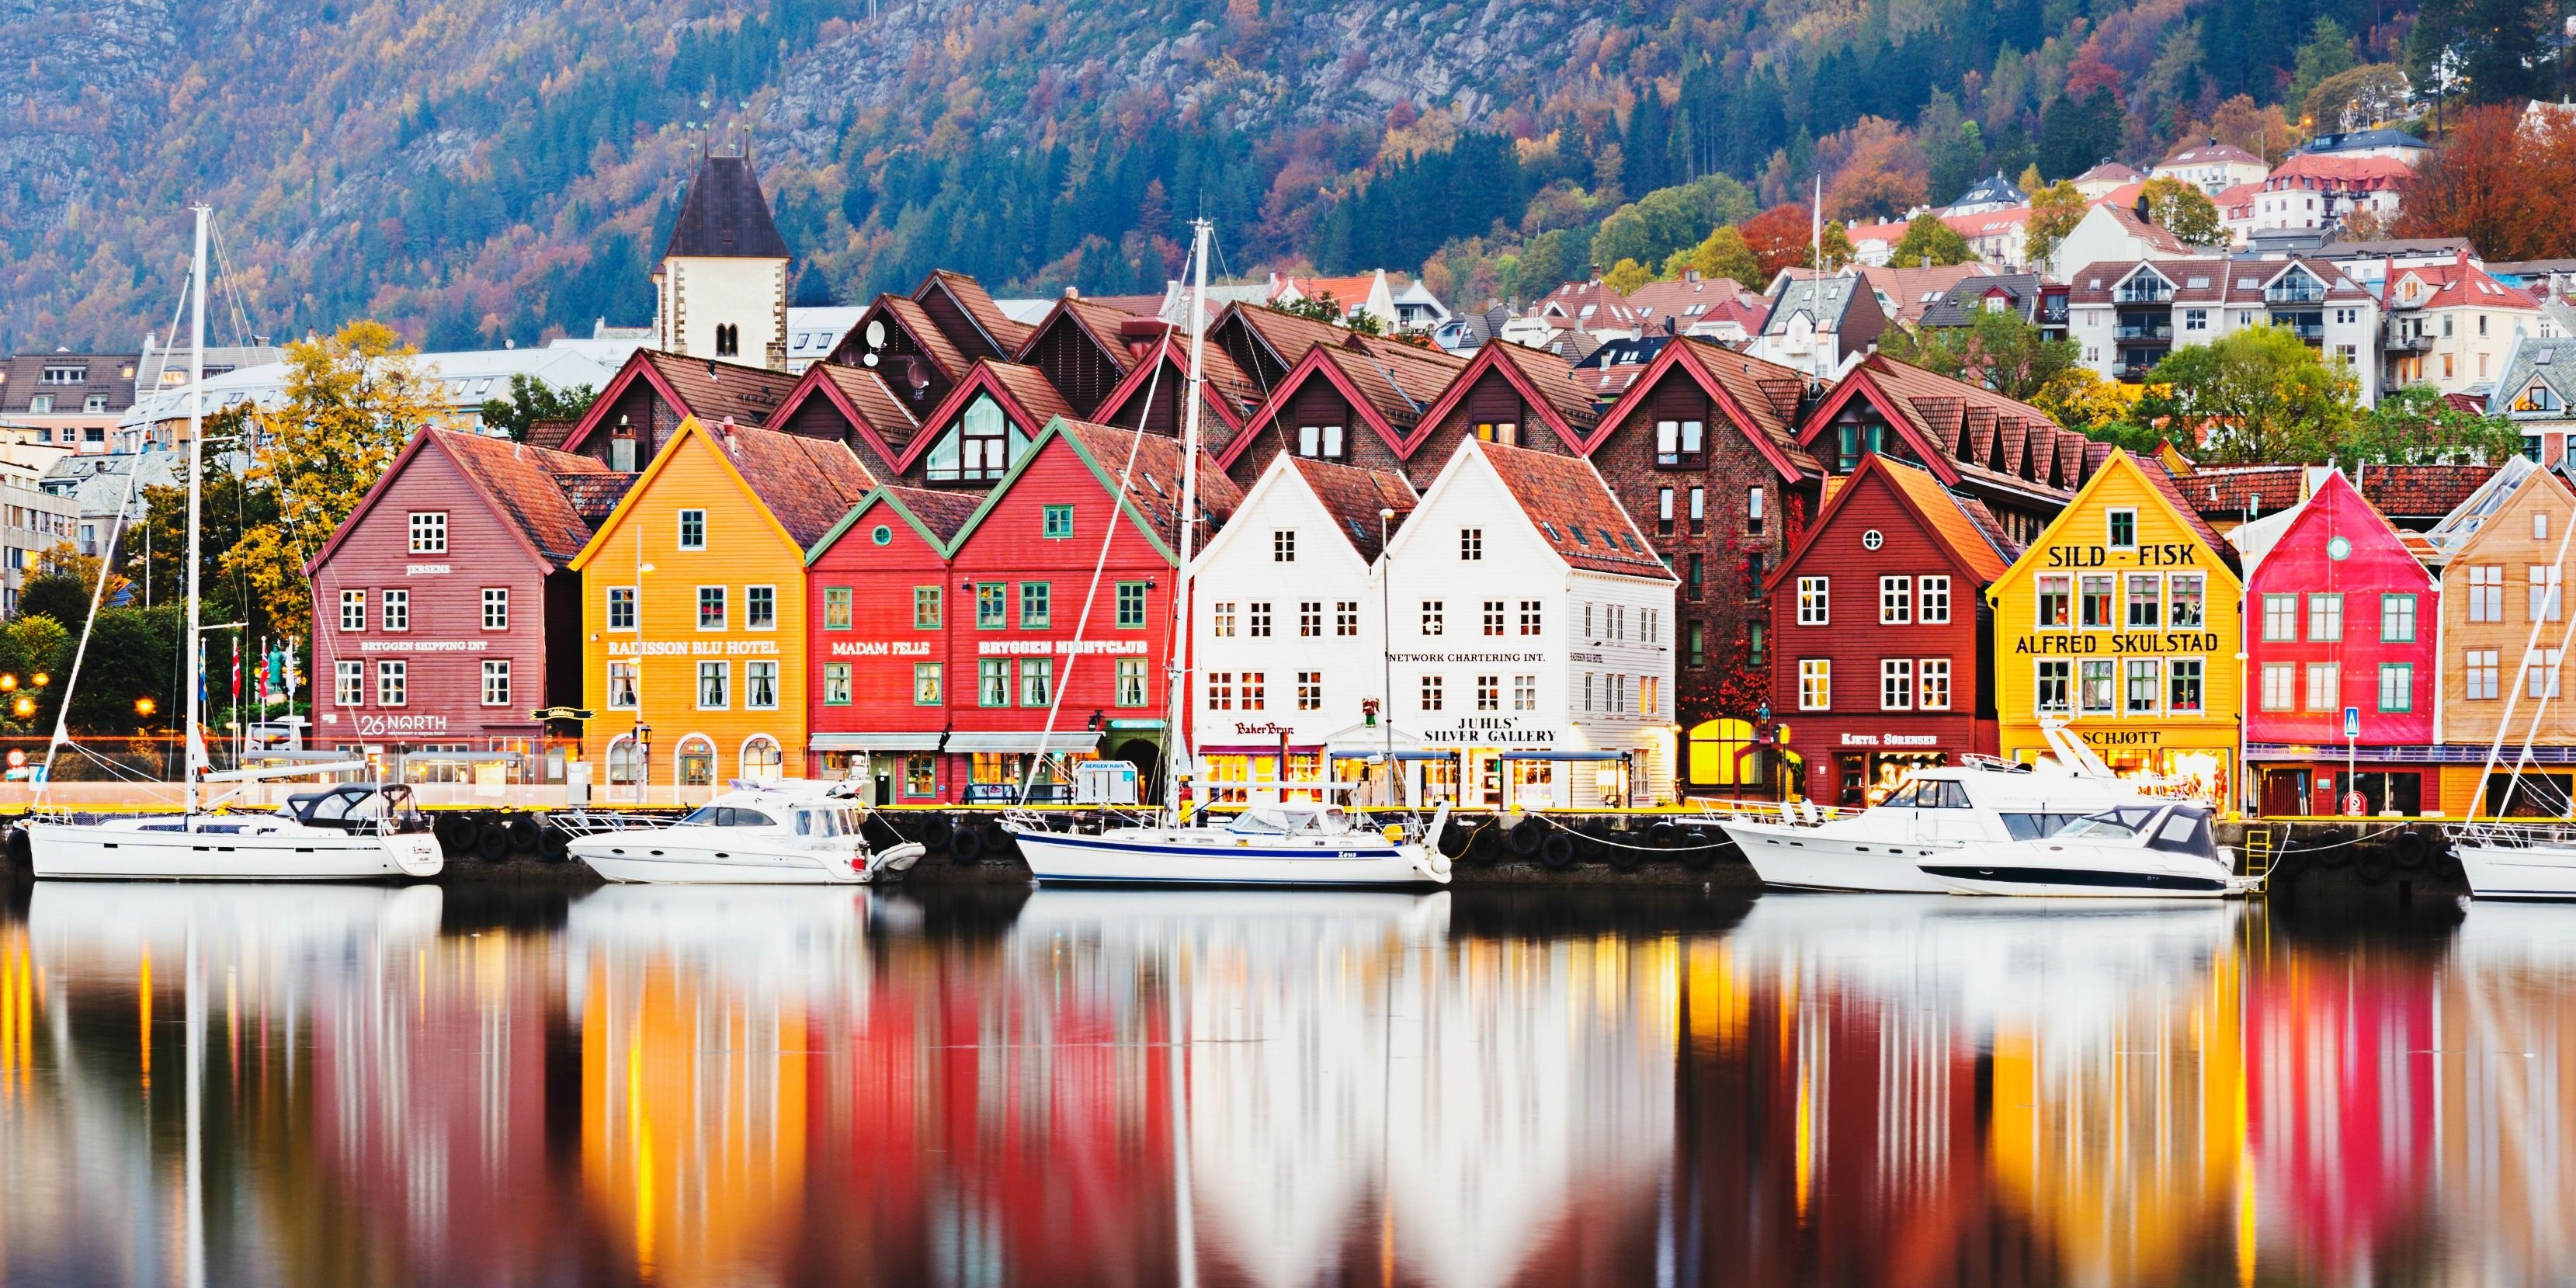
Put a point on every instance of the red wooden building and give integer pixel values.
(1883, 658)
(2003, 452)
(646, 400)
(1357, 403)
(852, 406)
(2340, 615)
(443, 611)
(965, 625)
(981, 429)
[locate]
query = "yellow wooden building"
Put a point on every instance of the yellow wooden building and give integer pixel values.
(693, 610)
(2122, 621)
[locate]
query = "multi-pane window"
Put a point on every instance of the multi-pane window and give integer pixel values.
(1815, 684)
(1056, 522)
(1310, 618)
(1524, 693)
(429, 533)
(1895, 684)
(1320, 442)
(2145, 679)
(349, 683)
(920, 775)
(1130, 688)
(693, 529)
(2186, 683)
(1664, 512)
(1895, 601)
(1131, 605)
(2124, 529)
(1260, 622)
(1256, 690)
(2097, 691)
(1037, 604)
(1220, 690)
(2481, 673)
(1935, 595)
(2188, 601)
(621, 608)
(929, 683)
(992, 605)
(621, 686)
(1489, 693)
(2396, 686)
(2325, 616)
(2280, 617)
(1037, 681)
(2540, 672)
(925, 608)
(1346, 617)
(1471, 544)
(2096, 604)
(496, 608)
(760, 608)
(711, 608)
(836, 682)
(2280, 686)
(1679, 442)
(2544, 592)
(393, 684)
(353, 610)
(397, 610)
(1531, 617)
(496, 682)
(1936, 684)
(2397, 619)
(1310, 690)
(1283, 546)
(2146, 600)
(1814, 604)
(2486, 593)
(836, 608)
(2055, 597)
(2325, 686)
(993, 682)
(1223, 613)
(1434, 617)
(760, 686)
(715, 686)
(1431, 686)
(1493, 617)
(2055, 689)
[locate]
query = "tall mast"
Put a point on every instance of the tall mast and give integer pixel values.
(196, 747)
(1202, 232)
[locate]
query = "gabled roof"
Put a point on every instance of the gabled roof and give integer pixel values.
(1231, 394)
(2458, 284)
(2335, 496)
(1960, 304)
(2245, 491)
(1389, 383)
(516, 481)
(1353, 497)
(2153, 474)
(1544, 380)
(2209, 279)
(1823, 299)
(1152, 500)
(1568, 502)
(2481, 504)
(803, 486)
(2419, 490)
(2152, 235)
(1961, 525)
(1023, 392)
(2212, 153)
(710, 390)
(2163, 481)
(977, 304)
(725, 215)
(1286, 335)
(1991, 190)
(594, 496)
(1951, 425)
(1103, 324)
(916, 321)
(863, 398)
(1750, 390)
(2109, 172)
(2550, 362)
(1589, 304)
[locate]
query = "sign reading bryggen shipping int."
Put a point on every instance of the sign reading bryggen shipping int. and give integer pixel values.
(2122, 622)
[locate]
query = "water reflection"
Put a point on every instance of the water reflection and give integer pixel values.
(383, 1084)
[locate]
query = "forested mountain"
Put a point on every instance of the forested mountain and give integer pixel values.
(472, 170)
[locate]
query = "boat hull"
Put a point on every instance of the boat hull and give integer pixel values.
(2078, 883)
(640, 861)
(99, 853)
(1209, 857)
(1804, 858)
(2546, 872)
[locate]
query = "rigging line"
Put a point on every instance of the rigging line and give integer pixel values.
(231, 285)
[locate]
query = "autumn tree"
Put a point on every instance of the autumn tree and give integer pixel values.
(2182, 209)
(1998, 349)
(352, 400)
(1725, 254)
(2357, 98)
(2259, 394)
(532, 400)
(2079, 399)
(2499, 181)
(1627, 275)
(2054, 212)
(1930, 241)
(1779, 238)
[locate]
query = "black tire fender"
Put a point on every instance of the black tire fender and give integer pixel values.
(492, 841)
(2410, 849)
(1526, 836)
(1557, 850)
(966, 846)
(1486, 846)
(937, 831)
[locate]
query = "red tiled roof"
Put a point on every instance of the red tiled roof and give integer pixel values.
(978, 304)
(595, 496)
(2320, 170)
(807, 483)
(874, 400)
(1979, 544)
(2248, 491)
(2211, 154)
(2421, 490)
(1566, 500)
(1154, 487)
(2109, 170)
(1961, 421)
(934, 342)
(2457, 284)
(520, 482)
(1354, 496)
(944, 513)
(2162, 480)
(1030, 387)
(710, 390)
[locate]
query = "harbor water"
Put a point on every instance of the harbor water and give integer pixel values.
(416, 1085)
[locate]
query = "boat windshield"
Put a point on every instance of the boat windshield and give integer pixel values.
(828, 822)
(1930, 793)
(2124, 823)
(727, 816)
(1292, 819)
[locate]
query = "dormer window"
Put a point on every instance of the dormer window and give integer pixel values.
(981, 448)
(2296, 286)
(2144, 288)
(2538, 397)
(1320, 442)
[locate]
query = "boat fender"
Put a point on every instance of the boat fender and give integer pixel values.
(966, 846)
(1628, 857)
(22, 851)
(1701, 853)
(1526, 836)
(523, 833)
(1663, 835)
(1393, 832)
(2373, 868)
(937, 831)
(553, 844)
(492, 841)
(1453, 841)
(2410, 848)
(1485, 846)
(1557, 850)
(2330, 850)
(998, 842)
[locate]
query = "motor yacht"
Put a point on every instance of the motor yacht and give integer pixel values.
(1268, 843)
(1980, 802)
(788, 833)
(351, 832)
(2160, 851)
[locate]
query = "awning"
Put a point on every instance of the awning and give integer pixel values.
(1024, 743)
(875, 742)
(1365, 739)
(1565, 755)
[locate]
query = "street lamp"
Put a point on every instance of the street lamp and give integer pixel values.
(145, 707)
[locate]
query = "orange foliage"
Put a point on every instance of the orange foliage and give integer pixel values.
(2501, 184)
(1778, 237)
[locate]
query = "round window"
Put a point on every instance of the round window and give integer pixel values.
(2339, 549)
(882, 536)
(1871, 540)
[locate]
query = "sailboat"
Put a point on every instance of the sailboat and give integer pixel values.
(2534, 860)
(348, 831)
(1271, 842)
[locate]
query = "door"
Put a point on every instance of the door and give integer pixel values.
(2285, 793)
(885, 787)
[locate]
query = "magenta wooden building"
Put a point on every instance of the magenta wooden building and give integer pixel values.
(442, 604)
(2340, 619)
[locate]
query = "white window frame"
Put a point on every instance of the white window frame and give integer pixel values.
(1896, 601)
(428, 532)
(393, 682)
(349, 684)
(396, 605)
(1815, 684)
(2323, 690)
(1934, 596)
(723, 671)
(1932, 689)
(1896, 684)
(353, 610)
(680, 529)
(633, 614)
(1815, 601)
(495, 668)
(496, 597)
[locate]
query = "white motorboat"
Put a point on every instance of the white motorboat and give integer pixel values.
(1980, 802)
(2517, 861)
(1302, 843)
(789, 833)
(353, 832)
(2159, 851)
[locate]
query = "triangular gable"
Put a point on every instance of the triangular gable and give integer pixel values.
(979, 378)
(903, 314)
(420, 442)
(1679, 353)
(1268, 481)
(883, 495)
(1447, 479)
(2293, 266)
(2142, 266)
(1315, 364)
(690, 429)
(1108, 479)
(2337, 503)
(2221, 556)
(818, 383)
(1875, 471)
(638, 367)
(1137, 381)
(2520, 496)
(1931, 452)
(1490, 357)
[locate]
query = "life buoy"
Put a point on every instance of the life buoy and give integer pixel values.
(1526, 836)
(1557, 850)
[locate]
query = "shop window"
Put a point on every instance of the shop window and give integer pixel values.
(2053, 692)
(2187, 601)
(696, 762)
(2403, 792)
(1724, 753)
(762, 761)
(920, 775)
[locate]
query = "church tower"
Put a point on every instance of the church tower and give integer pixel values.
(720, 290)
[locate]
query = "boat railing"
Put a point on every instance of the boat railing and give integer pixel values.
(2513, 834)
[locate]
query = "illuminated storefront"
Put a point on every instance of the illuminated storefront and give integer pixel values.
(2121, 621)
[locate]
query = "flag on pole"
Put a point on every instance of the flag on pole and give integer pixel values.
(1816, 228)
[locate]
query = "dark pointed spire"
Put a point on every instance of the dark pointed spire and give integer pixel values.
(725, 214)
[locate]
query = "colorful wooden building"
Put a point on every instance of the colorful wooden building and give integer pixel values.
(446, 611)
(2006, 453)
(2342, 623)
(2121, 621)
(1884, 642)
(879, 652)
(1357, 403)
(694, 609)
(642, 406)
(2504, 632)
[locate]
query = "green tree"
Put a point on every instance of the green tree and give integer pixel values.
(2184, 210)
(2054, 212)
(33, 646)
(2075, 133)
(1627, 275)
(532, 400)
(133, 653)
(1837, 245)
(61, 584)
(1998, 349)
(1670, 219)
(2416, 426)
(2327, 53)
(2079, 399)
(1546, 262)
(1928, 240)
(352, 400)
(1726, 254)
(2259, 394)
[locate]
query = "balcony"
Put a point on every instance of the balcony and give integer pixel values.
(2302, 291)
(2158, 330)
(2052, 310)
(2312, 332)
(2401, 342)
